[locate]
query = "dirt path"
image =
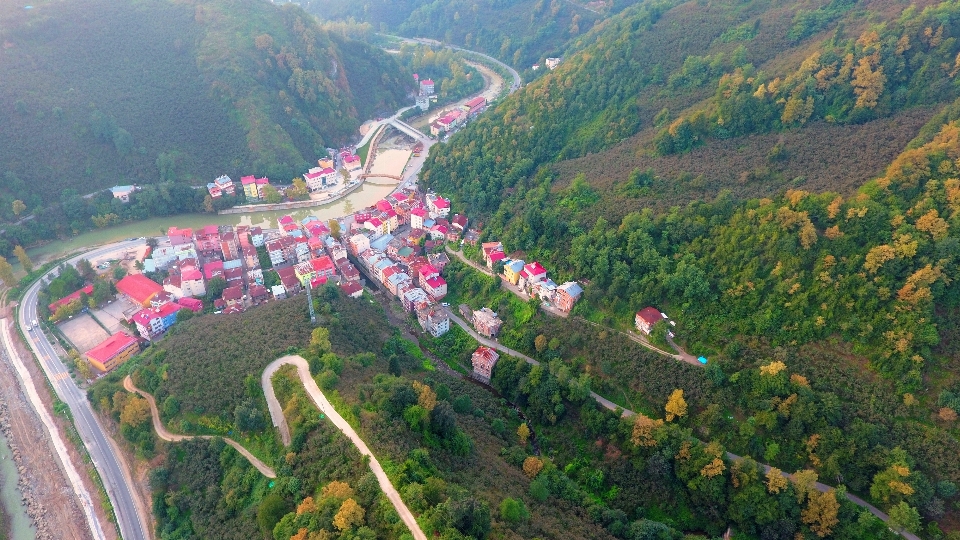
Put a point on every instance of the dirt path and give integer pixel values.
(174, 437)
(276, 414)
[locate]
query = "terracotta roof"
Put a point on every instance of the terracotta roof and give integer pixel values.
(70, 298)
(233, 293)
(111, 347)
(351, 287)
(192, 304)
(650, 314)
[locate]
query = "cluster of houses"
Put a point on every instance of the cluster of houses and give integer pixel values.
(398, 263)
(531, 278)
(327, 175)
(453, 119)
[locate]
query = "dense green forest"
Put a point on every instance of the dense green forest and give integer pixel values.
(518, 32)
(200, 89)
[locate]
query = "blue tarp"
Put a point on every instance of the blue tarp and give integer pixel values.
(702, 360)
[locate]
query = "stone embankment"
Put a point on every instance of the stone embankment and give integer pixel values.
(35, 509)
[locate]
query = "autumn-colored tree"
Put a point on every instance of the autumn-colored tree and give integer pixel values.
(18, 207)
(540, 343)
(776, 482)
(337, 490)
(799, 380)
(6, 272)
(804, 482)
(676, 406)
(208, 204)
(821, 512)
(890, 485)
(532, 466)
(877, 256)
(523, 432)
(83, 368)
(135, 412)
(271, 195)
(301, 534)
(868, 81)
(25, 261)
(349, 515)
(773, 368)
(947, 414)
(299, 189)
(306, 506)
(713, 468)
(643, 428)
(427, 398)
(932, 223)
(334, 226)
(910, 400)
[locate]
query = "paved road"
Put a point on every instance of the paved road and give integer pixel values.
(131, 517)
(276, 414)
(175, 437)
(513, 73)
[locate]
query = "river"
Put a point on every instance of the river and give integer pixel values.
(19, 526)
(368, 194)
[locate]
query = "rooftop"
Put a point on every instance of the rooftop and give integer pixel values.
(110, 347)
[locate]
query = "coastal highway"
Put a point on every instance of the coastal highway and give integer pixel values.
(133, 525)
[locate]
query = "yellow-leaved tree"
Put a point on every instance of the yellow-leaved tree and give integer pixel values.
(676, 406)
(349, 515)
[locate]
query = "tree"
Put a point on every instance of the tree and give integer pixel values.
(443, 422)
(523, 432)
(18, 207)
(299, 190)
(6, 272)
(540, 343)
(246, 416)
(513, 511)
(135, 412)
(676, 406)
(272, 508)
(821, 512)
(532, 466)
(470, 516)
(208, 204)
(904, 517)
(271, 195)
(776, 482)
(643, 428)
(24, 259)
(334, 226)
(83, 368)
(349, 515)
(319, 342)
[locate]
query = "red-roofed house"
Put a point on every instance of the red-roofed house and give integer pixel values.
(192, 304)
(378, 227)
(383, 205)
(439, 207)
(258, 293)
(113, 351)
(152, 322)
(459, 222)
(88, 290)
(178, 237)
(352, 289)
(646, 318)
(139, 289)
(352, 162)
(532, 273)
(213, 269)
(288, 278)
(436, 287)
(417, 215)
(476, 105)
(233, 296)
(425, 272)
(483, 359)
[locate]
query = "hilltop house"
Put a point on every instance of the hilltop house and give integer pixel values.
(434, 320)
(646, 318)
(487, 322)
(567, 295)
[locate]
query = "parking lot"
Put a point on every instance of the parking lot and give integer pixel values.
(83, 332)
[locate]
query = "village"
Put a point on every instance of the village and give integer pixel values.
(397, 245)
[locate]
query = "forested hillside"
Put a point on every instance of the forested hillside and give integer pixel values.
(96, 93)
(802, 265)
(519, 32)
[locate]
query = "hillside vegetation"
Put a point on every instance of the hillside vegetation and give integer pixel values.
(96, 93)
(518, 32)
(797, 267)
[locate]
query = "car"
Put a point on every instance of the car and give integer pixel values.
(35, 323)
(445, 304)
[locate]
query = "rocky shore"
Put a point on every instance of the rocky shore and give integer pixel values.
(35, 508)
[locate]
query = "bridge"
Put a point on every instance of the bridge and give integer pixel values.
(377, 175)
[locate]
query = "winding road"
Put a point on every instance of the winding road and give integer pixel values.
(276, 414)
(606, 403)
(175, 437)
(131, 513)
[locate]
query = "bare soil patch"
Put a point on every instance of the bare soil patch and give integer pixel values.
(83, 332)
